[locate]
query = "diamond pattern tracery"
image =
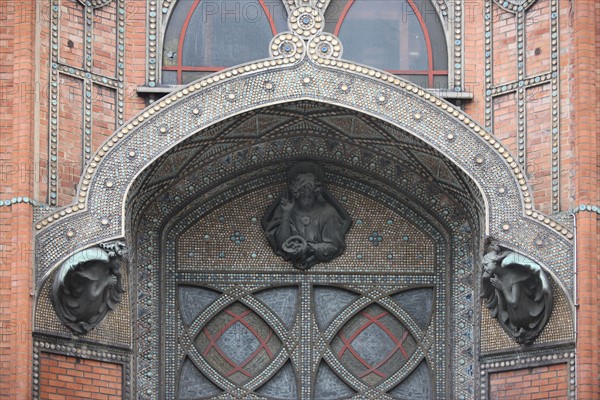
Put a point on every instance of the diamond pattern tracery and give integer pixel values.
(374, 345)
(238, 343)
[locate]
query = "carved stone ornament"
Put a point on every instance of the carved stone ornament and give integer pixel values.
(306, 225)
(517, 292)
(88, 285)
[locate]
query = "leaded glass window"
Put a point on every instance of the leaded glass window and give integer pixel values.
(205, 36)
(404, 37)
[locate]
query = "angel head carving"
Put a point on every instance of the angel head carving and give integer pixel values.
(87, 286)
(517, 292)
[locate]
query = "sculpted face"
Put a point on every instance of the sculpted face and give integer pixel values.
(306, 199)
(304, 189)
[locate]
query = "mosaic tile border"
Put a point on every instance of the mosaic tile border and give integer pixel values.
(149, 288)
(18, 199)
(529, 360)
(586, 208)
(133, 147)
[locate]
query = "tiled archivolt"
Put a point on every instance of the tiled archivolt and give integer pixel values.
(105, 181)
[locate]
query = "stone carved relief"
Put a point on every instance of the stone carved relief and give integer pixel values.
(517, 293)
(306, 225)
(88, 285)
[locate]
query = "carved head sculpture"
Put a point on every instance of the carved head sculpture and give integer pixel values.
(87, 286)
(306, 225)
(306, 189)
(517, 292)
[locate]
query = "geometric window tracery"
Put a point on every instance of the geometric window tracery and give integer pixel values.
(364, 344)
(238, 343)
(373, 345)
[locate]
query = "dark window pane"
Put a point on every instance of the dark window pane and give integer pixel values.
(169, 78)
(421, 80)
(191, 76)
(214, 34)
(399, 36)
(227, 33)
(171, 39)
(440, 82)
(385, 34)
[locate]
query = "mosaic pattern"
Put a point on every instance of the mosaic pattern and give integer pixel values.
(97, 216)
(373, 345)
(282, 386)
(501, 216)
(369, 346)
(237, 343)
(418, 386)
(250, 284)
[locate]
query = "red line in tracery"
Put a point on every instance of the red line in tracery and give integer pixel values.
(182, 38)
(373, 320)
(430, 71)
(237, 367)
(427, 40)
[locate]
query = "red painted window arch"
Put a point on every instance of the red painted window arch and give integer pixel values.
(204, 36)
(403, 37)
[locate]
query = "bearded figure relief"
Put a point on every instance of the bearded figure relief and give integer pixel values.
(517, 293)
(306, 225)
(87, 286)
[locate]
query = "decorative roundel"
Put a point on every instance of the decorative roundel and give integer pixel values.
(515, 5)
(288, 46)
(325, 46)
(306, 21)
(95, 3)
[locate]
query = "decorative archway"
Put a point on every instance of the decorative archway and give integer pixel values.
(110, 188)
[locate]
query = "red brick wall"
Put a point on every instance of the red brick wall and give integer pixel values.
(70, 378)
(17, 77)
(549, 382)
(585, 124)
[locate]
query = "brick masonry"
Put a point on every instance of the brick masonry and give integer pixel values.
(70, 378)
(548, 382)
(26, 145)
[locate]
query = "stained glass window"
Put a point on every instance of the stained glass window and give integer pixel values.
(404, 37)
(205, 36)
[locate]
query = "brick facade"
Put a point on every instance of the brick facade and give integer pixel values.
(63, 377)
(549, 382)
(27, 146)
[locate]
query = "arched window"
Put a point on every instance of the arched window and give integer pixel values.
(205, 36)
(403, 37)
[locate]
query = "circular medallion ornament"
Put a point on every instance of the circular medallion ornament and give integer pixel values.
(95, 3)
(287, 46)
(325, 46)
(515, 5)
(306, 21)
